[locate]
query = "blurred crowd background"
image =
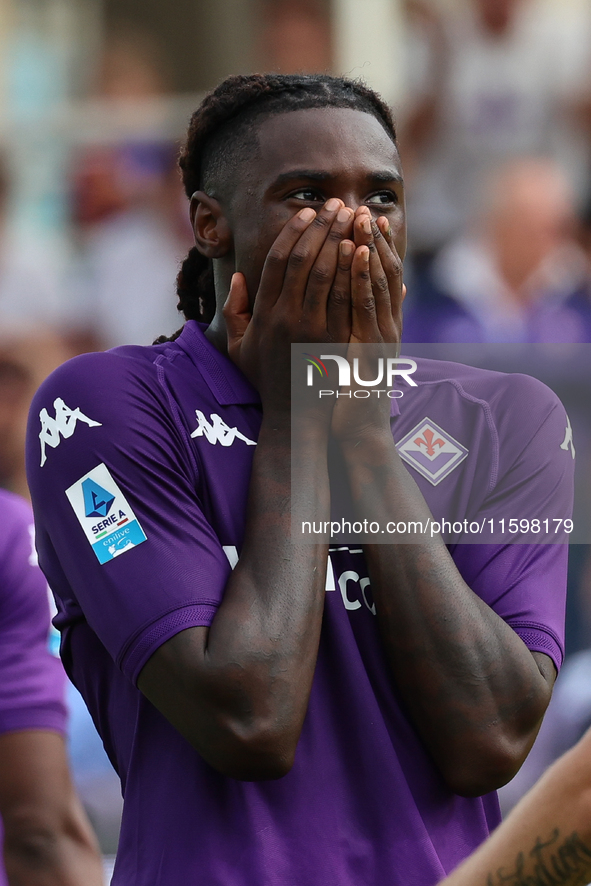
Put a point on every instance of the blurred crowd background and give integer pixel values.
(493, 103)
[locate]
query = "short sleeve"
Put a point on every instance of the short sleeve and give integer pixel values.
(532, 478)
(32, 680)
(525, 585)
(166, 568)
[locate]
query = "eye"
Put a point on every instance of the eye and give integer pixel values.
(383, 198)
(309, 195)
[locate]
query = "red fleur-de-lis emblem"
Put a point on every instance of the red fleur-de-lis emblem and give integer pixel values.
(428, 442)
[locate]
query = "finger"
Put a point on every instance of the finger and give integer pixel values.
(305, 252)
(392, 265)
(323, 272)
(366, 232)
(385, 285)
(275, 267)
(338, 311)
(362, 227)
(236, 313)
(363, 309)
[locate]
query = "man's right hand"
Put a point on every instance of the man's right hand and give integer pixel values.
(304, 296)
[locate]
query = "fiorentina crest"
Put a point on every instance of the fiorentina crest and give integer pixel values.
(431, 451)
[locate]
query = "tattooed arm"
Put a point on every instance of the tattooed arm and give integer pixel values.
(546, 840)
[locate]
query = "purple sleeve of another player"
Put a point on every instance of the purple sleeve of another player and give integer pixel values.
(32, 681)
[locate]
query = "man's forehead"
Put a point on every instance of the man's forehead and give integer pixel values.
(326, 139)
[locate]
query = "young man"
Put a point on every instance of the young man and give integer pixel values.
(46, 837)
(267, 728)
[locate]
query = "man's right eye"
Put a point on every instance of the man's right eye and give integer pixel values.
(309, 195)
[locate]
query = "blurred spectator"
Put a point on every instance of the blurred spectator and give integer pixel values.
(131, 239)
(47, 838)
(133, 65)
(128, 214)
(519, 276)
(26, 359)
(488, 81)
(30, 275)
(296, 36)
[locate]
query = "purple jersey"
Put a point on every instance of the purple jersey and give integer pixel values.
(139, 462)
(32, 681)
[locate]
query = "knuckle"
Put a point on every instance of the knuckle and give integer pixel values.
(381, 285)
(335, 235)
(368, 306)
(322, 221)
(275, 256)
(320, 274)
(339, 298)
(298, 257)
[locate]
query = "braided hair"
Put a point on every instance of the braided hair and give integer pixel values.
(222, 132)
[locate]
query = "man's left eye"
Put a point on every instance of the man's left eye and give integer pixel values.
(382, 198)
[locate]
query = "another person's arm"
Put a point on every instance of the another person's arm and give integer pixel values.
(547, 836)
(47, 838)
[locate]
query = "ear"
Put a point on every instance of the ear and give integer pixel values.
(211, 229)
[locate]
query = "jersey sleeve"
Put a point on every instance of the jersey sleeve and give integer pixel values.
(122, 535)
(32, 680)
(532, 477)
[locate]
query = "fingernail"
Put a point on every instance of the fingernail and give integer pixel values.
(344, 215)
(366, 226)
(364, 252)
(332, 205)
(347, 247)
(385, 226)
(306, 214)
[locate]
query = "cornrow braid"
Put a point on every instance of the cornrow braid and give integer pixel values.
(241, 101)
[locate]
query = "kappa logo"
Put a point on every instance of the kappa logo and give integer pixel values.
(217, 431)
(63, 424)
(431, 451)
(568, 438)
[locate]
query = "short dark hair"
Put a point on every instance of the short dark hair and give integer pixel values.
(222, 131)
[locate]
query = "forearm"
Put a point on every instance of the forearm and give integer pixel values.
(546, 838)
(59, 850)
(263, 642)
(238, 691)
(472, 688)
(48, 840)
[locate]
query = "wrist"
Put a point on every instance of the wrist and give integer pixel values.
(371, 442)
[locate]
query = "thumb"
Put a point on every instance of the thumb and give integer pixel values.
(236, 313)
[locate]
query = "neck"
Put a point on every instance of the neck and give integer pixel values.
(216, 333)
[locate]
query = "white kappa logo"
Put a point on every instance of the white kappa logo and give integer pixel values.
(64, 423)
(217, 431)
(568, 438)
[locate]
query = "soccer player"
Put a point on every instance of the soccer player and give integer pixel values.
(546, 839)
(47, 838)
(274, 721)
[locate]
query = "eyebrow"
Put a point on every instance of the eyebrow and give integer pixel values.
(314, 175)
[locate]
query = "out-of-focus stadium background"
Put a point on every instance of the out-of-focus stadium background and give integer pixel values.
(493, 102)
